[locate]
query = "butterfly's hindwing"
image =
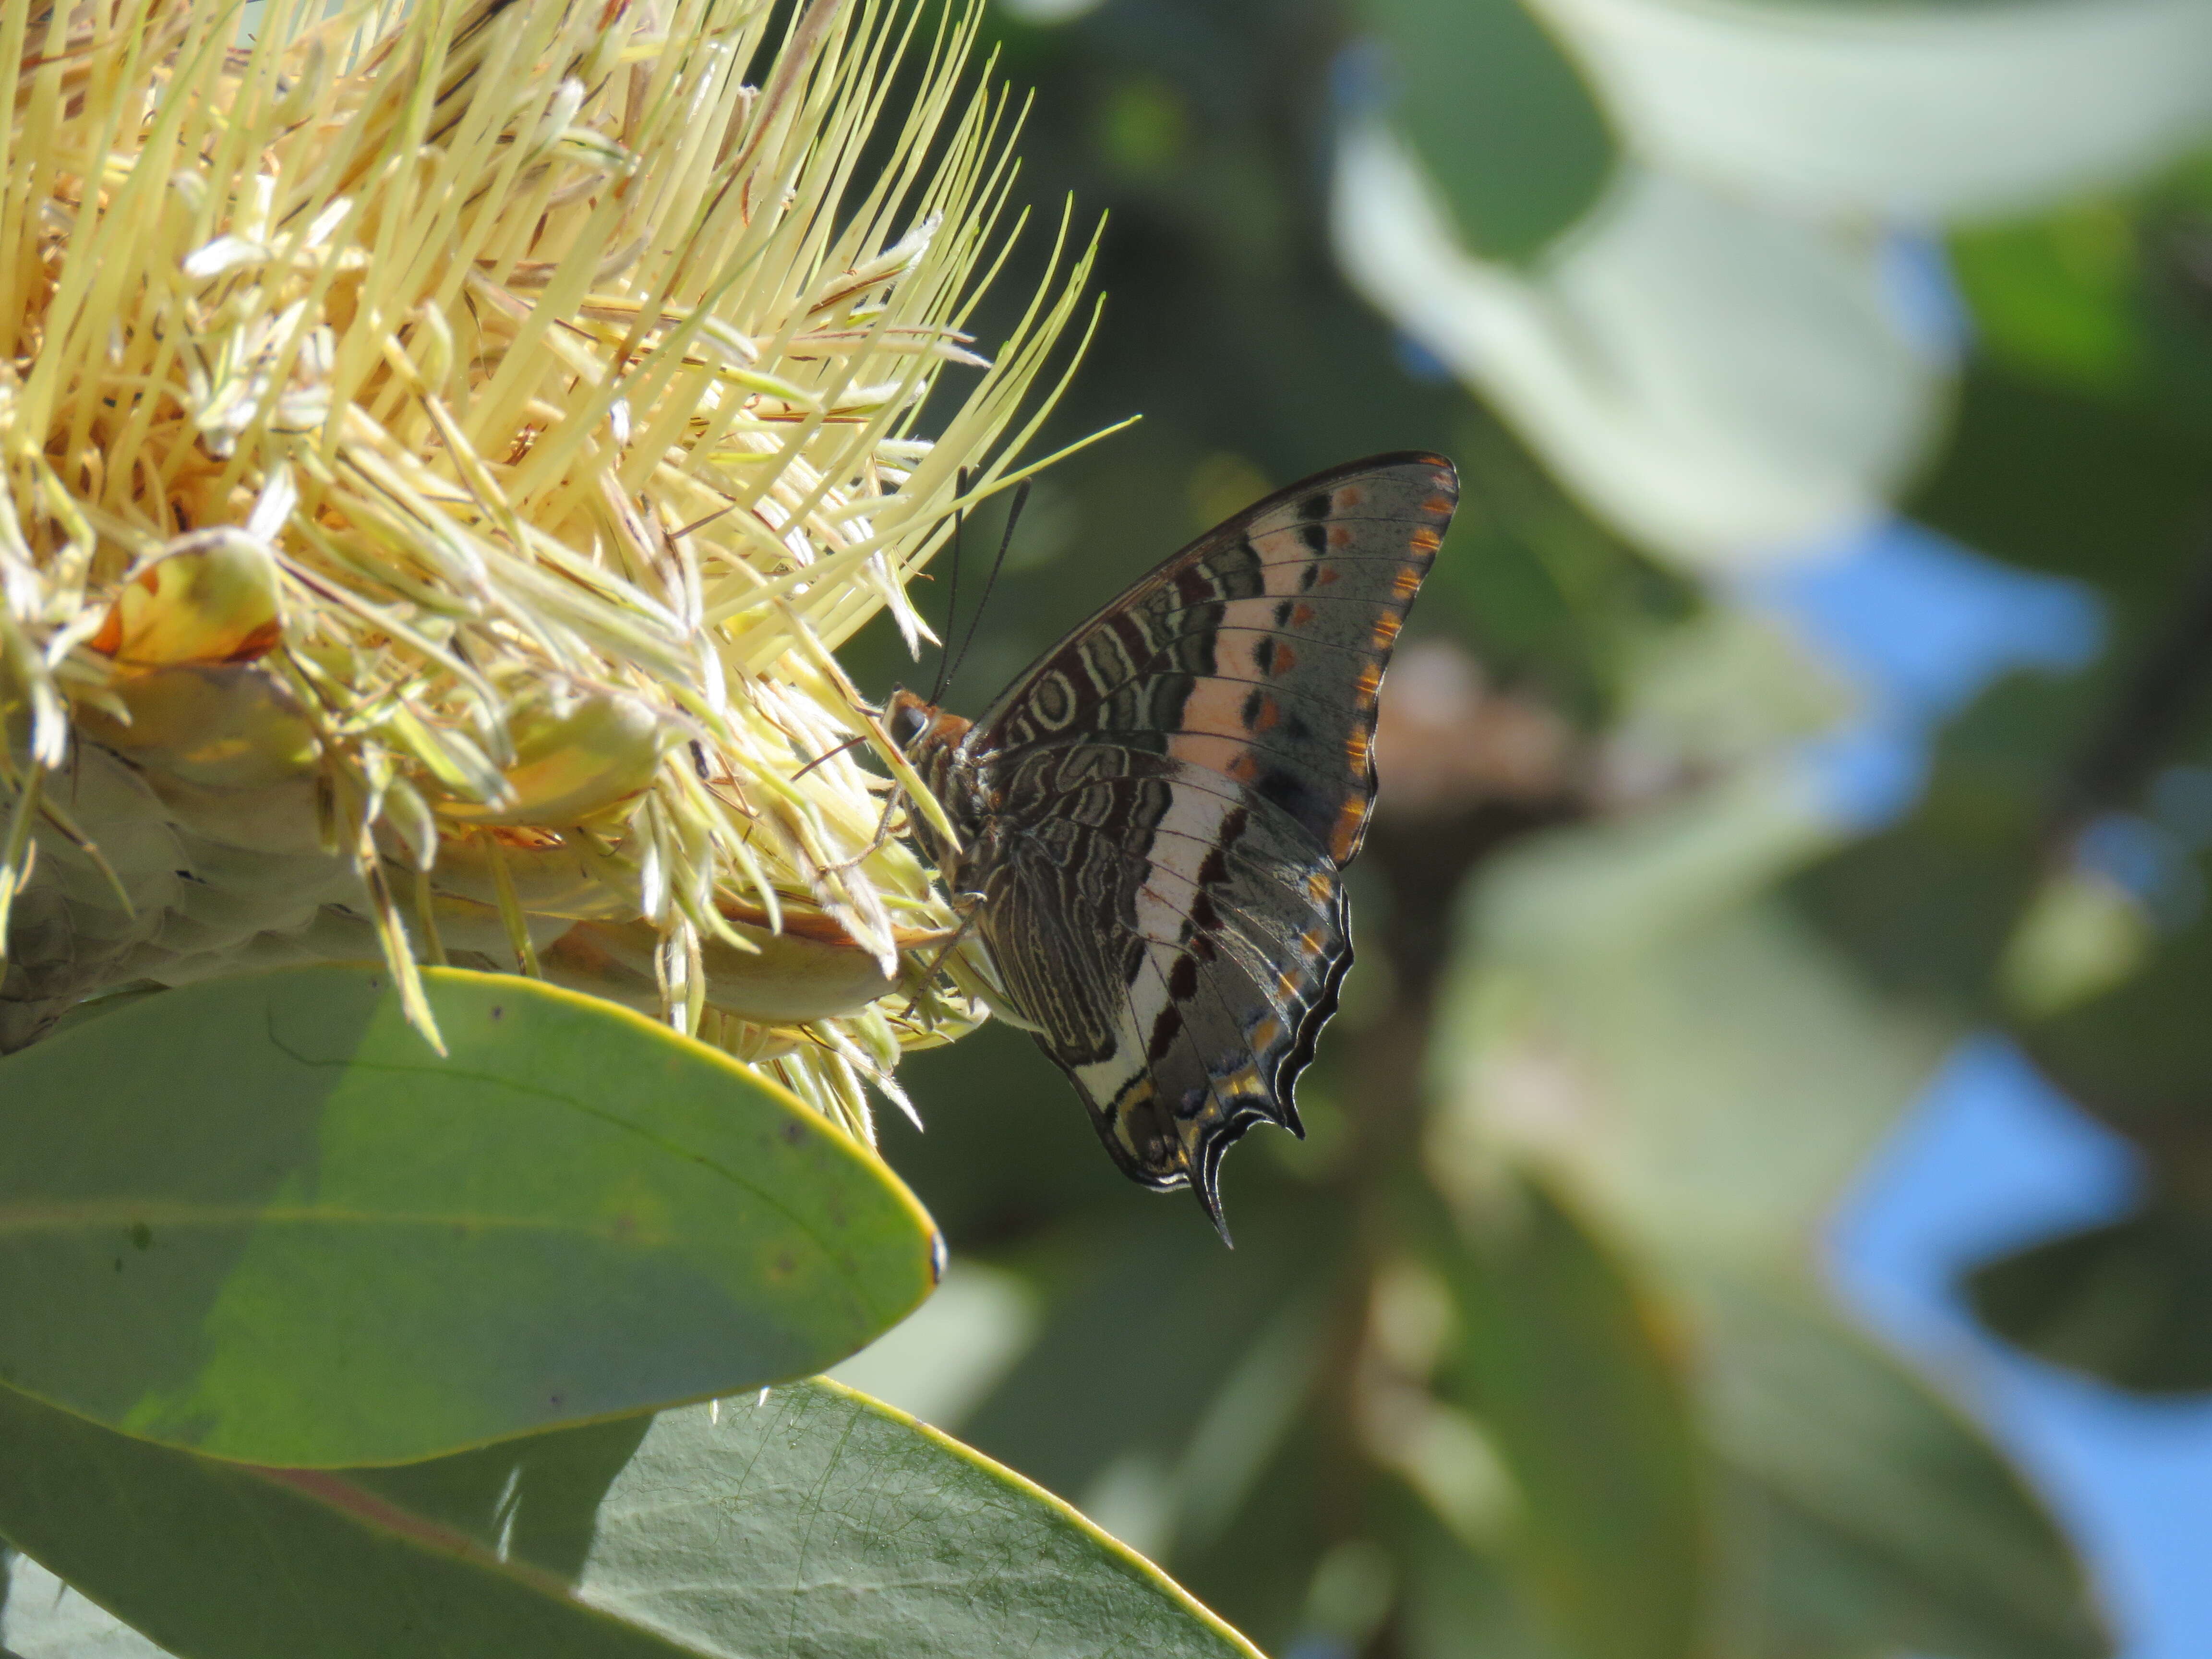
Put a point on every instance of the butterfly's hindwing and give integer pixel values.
(1172, 794)
(1187, 996)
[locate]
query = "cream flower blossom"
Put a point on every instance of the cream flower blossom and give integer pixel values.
(445, 447)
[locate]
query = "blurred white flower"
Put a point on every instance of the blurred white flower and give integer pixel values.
(1722, 381)
(1926, 111)
(1718, 360)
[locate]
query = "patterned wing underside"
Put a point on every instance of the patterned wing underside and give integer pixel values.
(1181, 784)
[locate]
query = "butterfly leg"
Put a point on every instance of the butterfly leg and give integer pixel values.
(968, 907)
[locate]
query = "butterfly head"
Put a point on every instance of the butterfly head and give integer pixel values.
(931, 740)
(917, 726)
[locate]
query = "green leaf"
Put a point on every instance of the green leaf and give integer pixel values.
(2047, 477)
(2057, 297)
(1868, 1514)
(1729, 1070)
(261, 1219)
(1457, 1604)
(814, 1522)
(1502, 117)
(2138, 1054)
(2131, 1301)
(1565, 1361)
(1926, 909)
(1159, 1329)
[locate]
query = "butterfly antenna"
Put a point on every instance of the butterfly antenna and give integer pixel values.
(952, 593)
(1013, 518)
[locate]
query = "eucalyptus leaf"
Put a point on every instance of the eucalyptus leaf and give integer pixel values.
(261, 1218)
(809, 1522)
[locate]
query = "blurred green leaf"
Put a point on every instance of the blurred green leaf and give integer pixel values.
(260, 1217)
(2060, 482)
(1867, 1514)
(2131, 1301)
(950, 1353)
(2139, 1056)
(814, 1522)
(1455, 1604)
(1502, 117)
(2056, 296)
(2081, 934)
(1257, 1569)
(1927, 907)
(1156, 1327)
(1706, 1068)
(1565, 1362)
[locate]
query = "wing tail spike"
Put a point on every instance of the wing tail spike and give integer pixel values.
(1208, 1193)
(1202, 1166)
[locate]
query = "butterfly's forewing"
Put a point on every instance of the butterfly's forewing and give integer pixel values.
(1185, 778)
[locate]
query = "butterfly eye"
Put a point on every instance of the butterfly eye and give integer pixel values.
(906, 723)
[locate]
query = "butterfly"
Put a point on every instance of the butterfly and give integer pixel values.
(1154, 819)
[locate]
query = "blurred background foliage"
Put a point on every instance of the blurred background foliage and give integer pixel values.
(1701, 842)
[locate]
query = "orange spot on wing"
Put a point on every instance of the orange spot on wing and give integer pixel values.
(1284, 659)
(1424, 540)
(1355, 753)
(1327, 576)
(1441, 505)
(1349, 495)
(1311, 940)
(1303, 614)
(1319, 888)
(1349, 824)
(1369, 685)
(1407, 582)
(1265, 1033)
(1340, 535)
(1244, 766)
(1386, 630)
(1267, 715)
